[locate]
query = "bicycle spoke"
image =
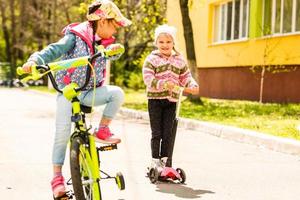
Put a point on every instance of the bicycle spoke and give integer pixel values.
(87, 181)
(86, 187)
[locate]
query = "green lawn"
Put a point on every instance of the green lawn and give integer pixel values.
(270, 118)
(275, 119)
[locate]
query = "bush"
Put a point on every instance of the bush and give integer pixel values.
(5, 72)
(136, 81)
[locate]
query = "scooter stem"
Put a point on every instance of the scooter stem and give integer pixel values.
(178, 104)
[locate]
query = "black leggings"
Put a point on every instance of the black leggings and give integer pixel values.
(162, 115)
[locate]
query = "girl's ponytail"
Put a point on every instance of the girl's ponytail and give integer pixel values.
(94, 25)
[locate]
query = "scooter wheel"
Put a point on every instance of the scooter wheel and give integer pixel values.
(153, 175)
(120, 181)
(147, 172)
(182, 175)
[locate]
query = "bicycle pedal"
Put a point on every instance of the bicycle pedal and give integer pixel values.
(108, 147)
(63, 197)
(67, 196)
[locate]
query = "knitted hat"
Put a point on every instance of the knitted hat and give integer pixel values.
(108, 10)
(170, 30)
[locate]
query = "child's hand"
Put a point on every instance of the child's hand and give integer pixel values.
(27, 66)
(192, 90)
(114, 51)
(169, 85)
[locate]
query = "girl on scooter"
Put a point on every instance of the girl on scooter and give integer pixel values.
(163, 70)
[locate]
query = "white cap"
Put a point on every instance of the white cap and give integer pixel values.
(170, 30)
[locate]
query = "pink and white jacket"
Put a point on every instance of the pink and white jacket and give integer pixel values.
(158, 69)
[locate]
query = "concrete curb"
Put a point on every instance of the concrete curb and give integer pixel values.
(283, 145)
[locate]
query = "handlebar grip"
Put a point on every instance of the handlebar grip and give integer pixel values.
(114, 49)
(33, 75)
(20, 71)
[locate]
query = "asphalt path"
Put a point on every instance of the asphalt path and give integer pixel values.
(216, 169)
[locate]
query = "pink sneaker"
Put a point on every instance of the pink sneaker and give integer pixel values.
(105, 136)
(58, 186)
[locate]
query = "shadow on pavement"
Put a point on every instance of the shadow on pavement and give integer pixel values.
(181, 190)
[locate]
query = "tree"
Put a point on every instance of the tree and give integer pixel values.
(28, 26)
(189, 41)
(5, 30)
(138, 38)
(188, 37)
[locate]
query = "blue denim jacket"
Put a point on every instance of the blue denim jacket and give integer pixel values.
(71, 46)
(54, 50)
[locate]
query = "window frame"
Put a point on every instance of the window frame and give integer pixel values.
(272, 25)
(220, 33)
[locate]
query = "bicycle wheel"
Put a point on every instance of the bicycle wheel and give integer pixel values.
(120, 181)
(84, 185)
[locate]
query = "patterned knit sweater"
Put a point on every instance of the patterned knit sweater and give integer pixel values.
(158, 69)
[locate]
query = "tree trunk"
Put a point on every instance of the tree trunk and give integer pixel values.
(189, 42)
(23, 20)
(5, 31)
(54, 21)
(13, 30)
(188, 37)
(261, 89)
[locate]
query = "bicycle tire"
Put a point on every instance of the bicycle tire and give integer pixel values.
(81, 172)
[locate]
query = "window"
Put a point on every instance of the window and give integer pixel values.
(287, 16)
(281, 16)
(267, 17)
(231, 20)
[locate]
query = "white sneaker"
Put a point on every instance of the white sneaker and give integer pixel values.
(157, 163)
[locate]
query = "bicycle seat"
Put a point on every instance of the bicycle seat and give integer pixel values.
(85, 109)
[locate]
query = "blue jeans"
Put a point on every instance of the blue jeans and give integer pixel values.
(112, 96)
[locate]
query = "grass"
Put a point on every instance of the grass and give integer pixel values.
(270, 118)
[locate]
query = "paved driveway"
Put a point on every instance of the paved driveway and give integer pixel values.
(216, 169)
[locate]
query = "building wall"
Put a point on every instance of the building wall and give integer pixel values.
(221, 65)
(233, 83)
(286, 49)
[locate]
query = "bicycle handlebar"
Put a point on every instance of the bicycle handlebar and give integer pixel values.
(35, 74)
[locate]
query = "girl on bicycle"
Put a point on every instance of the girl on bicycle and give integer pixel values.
(163, 70)
(80, 39)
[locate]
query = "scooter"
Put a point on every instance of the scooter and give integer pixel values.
(167, 174)
(161, 172)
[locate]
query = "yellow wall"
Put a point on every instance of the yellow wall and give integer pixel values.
(174, 18)
(261, 51)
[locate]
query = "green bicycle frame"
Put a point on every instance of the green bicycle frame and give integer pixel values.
(91, 154)
(92, 163)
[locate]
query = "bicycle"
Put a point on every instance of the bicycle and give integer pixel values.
(84, 154)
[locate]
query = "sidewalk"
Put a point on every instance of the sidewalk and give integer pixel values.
(278, 144)
(216, 168)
